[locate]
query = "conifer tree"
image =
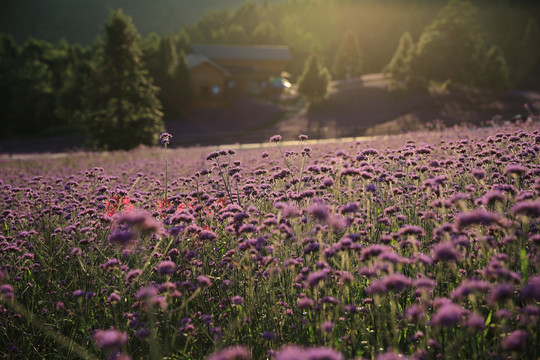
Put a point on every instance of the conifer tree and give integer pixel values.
(494, 71)
(9, 59)
(528, 52)
(399, 66)
(178, 93)
(313, 83)
(123, 110)
(449, 49)
(183, 42)
(167, 54)
(26, 93)
(348, 60)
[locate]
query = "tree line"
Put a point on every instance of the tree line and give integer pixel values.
(64, 88)
(115, 91)
(454, 50)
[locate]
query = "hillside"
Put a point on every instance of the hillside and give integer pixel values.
(363, 106)
(357, 107)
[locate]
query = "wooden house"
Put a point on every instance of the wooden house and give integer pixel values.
(221, 72)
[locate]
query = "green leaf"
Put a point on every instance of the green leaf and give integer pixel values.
(488, 321)
(524, 264)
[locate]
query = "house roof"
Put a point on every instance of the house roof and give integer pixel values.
(243, 52)
(193, 60)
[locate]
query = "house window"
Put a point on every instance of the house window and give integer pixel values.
(205, 91)
(216, 90)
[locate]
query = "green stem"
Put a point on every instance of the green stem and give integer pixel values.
(284, 158)
(166, 172)
(301, 173)
(225, 182)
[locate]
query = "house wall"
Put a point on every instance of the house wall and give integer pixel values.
(272, 67)
(246, 77)
(249, 75)
(204, 78)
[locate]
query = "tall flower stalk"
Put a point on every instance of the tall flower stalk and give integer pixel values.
(306, 152)
(225, 176)
(276, 139)
(165, 138)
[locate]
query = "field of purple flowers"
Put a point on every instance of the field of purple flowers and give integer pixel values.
(422, 246)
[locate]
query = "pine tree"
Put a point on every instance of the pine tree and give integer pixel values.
(399, 66)
(167, 55)
(528, 52)
(449, 49)
(348, 60)
(313, 83)
(236, 34)
(183, 42)
(494, 72)
(9, 60)
(265, 33)
(178, 93)
(27, 96)
(123, 110)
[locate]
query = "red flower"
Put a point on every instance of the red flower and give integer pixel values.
(163, 205)
(117, 203)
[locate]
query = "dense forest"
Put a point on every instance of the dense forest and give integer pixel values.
(45, 80)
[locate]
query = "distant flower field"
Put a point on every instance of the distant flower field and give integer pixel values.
(421, 246)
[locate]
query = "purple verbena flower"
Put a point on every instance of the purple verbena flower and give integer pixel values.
(411, 230)
(315, 277)
(290, 353)
(166, 267)
(476, 322)
(275, 138)
(445, 251)
(323, 353)
(319, 211)
(114, 298)
(269, 335)
(6, 291)
(448, 315)
(516, 169)
(237, 300)
(516, 341)
(132, 274)
(327, 326)
(78, 293)
(231, 353)
(304, 303)
(390, 355)
(500, 293)
(531, 289)
(478, 217)
(208, 235)
(165, 138)
(110, 339)
(122, 237)
(203, 281)
(530, 208)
